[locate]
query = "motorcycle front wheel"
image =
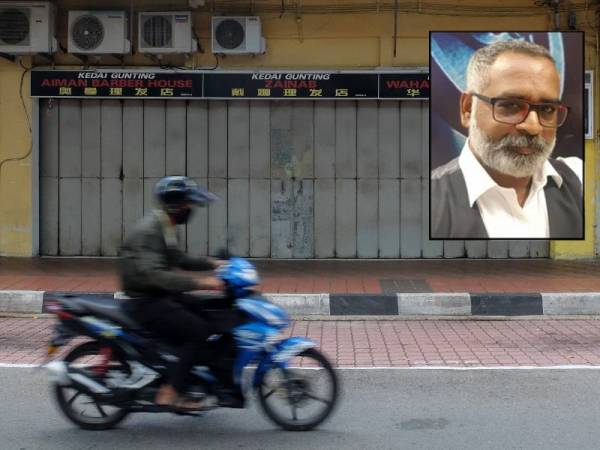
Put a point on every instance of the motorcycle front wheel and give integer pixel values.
(302, 396)
(98, 362)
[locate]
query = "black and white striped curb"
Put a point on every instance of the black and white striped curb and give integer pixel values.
(402, 304)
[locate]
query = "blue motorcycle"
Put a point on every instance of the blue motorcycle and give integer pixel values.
(101, 381)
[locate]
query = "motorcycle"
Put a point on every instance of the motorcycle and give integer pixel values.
(98, 383)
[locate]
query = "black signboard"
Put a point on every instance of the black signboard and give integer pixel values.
(198, 85)
(115, 84)
(404, 85)
(290, 85)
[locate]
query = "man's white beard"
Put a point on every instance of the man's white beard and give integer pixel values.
(502, 155)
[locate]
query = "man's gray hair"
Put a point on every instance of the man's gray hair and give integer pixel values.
(483, 58)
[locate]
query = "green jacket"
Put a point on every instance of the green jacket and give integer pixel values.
(147, 262)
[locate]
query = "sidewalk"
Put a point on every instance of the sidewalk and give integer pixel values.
(488, 287)
(393, 343)
(333, 276)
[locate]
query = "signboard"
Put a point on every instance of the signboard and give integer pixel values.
(238, 85)
(404, 85)
(115, 84)
(291, 85)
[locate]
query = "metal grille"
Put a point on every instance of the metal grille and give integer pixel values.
(229, 34)
(157, 31)
(87, 32)
(349, 198)
(14, 26)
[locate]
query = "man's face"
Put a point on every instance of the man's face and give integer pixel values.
(518, 150)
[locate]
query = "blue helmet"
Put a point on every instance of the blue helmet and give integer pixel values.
(178, 194)
(180, 190)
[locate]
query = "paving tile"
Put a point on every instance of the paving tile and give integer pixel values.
(484, 276)
(377, 343)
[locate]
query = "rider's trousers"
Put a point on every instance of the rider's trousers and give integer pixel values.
(179, 320)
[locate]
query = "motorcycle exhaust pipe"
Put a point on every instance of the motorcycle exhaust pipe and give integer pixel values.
(60, 374)
(91, 385)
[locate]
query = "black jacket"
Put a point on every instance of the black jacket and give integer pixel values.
(453, 218)
(147, 263)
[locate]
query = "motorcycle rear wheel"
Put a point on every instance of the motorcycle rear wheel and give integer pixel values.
(86, 356)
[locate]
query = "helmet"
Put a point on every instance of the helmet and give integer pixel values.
(178, 194)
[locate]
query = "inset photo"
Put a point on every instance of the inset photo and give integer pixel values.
(506, 135)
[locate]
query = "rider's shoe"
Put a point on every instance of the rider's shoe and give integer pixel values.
(168, 397)
(185, 405)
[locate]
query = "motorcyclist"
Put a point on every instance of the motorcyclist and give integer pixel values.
(147, 267)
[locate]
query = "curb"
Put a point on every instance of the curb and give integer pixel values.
(21, 301)
(401, 304)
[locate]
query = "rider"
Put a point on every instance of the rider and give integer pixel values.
(148, 263)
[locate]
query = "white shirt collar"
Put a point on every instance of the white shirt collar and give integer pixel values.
(478, 181)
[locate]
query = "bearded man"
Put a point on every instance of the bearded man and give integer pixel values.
(505, 184)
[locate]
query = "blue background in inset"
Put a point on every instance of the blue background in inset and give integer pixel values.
(450, 54)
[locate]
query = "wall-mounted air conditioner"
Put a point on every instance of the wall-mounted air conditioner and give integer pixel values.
(27, 27)
(166, 32)
(237, 35)
(98, 32)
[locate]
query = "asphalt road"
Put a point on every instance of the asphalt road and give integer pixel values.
(380, 409)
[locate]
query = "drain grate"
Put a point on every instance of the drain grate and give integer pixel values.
(404, 285)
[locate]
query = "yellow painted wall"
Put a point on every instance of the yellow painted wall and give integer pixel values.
(585, 248)
(15, 176)
(295, 40)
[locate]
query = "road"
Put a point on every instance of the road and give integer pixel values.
(380, 409)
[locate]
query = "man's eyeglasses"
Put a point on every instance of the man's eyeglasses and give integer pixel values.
(515, 110)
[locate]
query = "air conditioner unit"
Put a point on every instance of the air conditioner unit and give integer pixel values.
(166, 32)
(27, 27)
(98, 32)
(236, 35)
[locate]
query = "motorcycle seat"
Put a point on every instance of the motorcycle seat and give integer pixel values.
(105, 307)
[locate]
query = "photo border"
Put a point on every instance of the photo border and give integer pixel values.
(583, 138)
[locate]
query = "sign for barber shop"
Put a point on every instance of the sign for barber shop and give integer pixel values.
(275, 85)
(117, 84)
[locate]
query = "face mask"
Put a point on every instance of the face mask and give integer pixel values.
(180, 216)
